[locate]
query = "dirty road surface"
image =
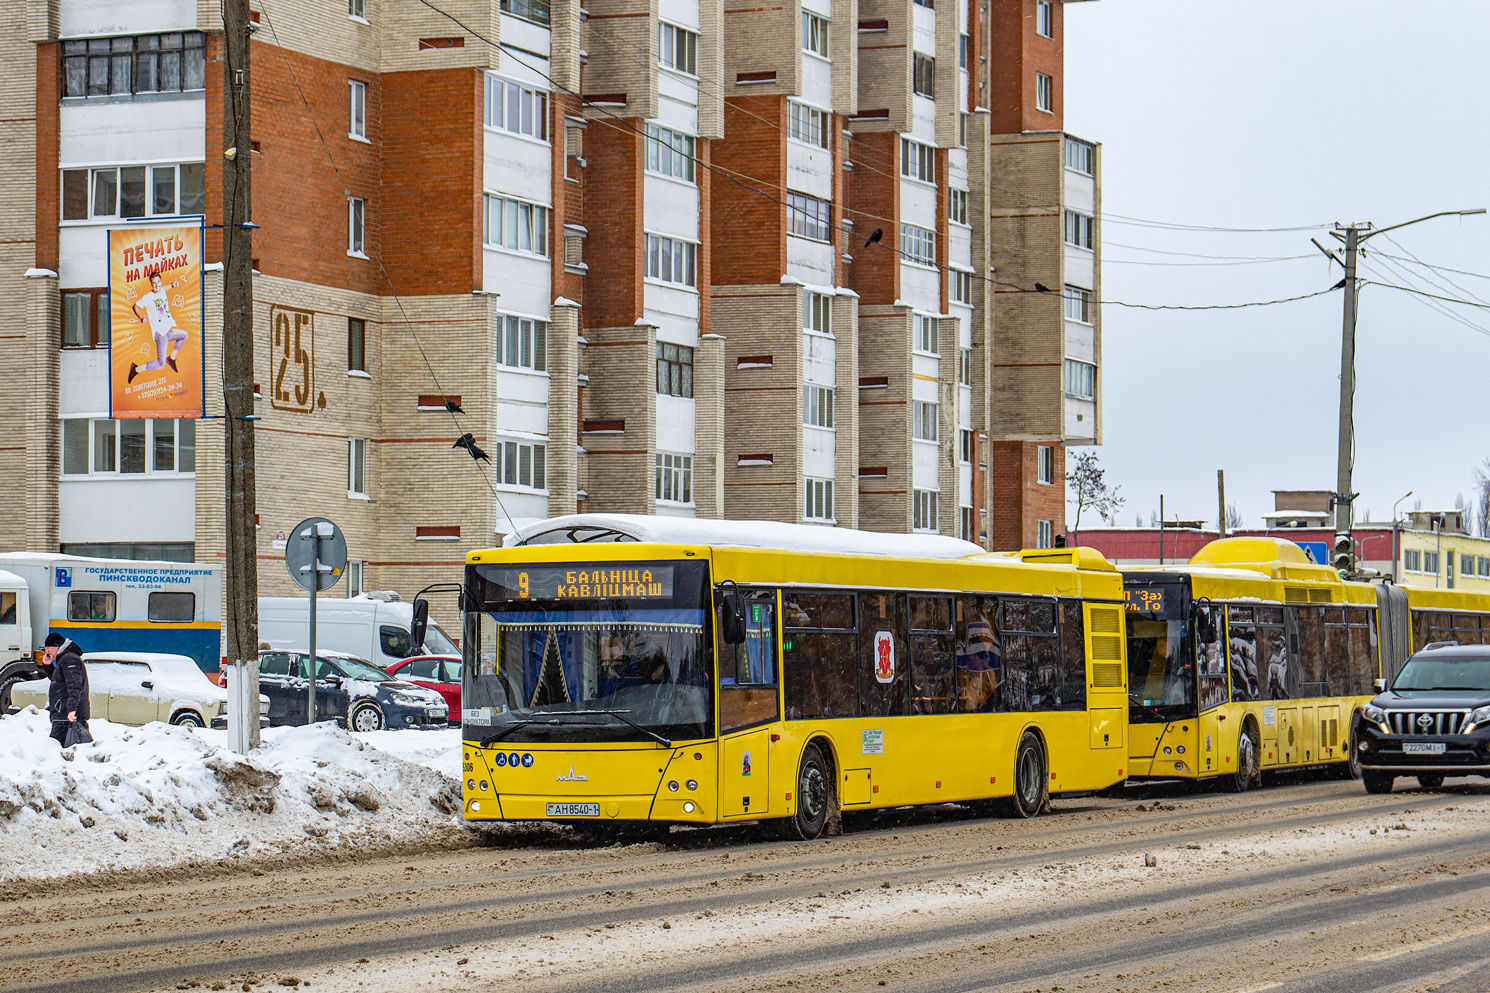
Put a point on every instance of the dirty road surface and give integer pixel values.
(1305, 886)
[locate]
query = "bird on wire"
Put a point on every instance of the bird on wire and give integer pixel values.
(878, 234)
(468, 442)
(453, 407)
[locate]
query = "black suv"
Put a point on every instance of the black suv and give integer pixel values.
(1434, 720)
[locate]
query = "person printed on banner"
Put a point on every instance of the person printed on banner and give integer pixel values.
(67, 699)
(154, 308)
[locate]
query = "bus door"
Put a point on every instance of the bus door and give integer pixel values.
(1107, 683)
(749, 707)
(1211, 688)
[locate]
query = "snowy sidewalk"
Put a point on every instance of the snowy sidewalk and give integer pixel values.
(156, 796)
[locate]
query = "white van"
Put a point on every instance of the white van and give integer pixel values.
(375, 626)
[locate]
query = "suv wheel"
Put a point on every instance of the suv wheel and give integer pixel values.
(1377, 782)
(1430, 782)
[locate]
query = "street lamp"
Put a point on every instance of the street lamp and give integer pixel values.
(1396, 538)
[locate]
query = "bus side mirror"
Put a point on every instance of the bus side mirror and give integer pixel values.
(421, 625)
(1379, 685)
(732, 618)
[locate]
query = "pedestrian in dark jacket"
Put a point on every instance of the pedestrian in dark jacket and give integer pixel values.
(67, 700)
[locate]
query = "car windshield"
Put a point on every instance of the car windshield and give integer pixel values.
(593, 653)
(353, 669)
(437, 642)
(1425, 673)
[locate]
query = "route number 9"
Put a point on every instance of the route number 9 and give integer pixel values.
(522, 584)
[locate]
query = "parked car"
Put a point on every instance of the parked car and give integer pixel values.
(441, 673)
(1434, 720)
(350, 690)
(140, 687)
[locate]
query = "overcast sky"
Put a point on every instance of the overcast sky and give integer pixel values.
(1276, 114)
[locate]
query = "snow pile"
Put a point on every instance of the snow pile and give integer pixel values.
(158, 795)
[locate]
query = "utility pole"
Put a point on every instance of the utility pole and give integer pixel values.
(238, 362)
(1221, 499)
(1342, 555)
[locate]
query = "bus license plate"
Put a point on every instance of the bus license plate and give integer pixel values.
(1422, 747)
(574, 810)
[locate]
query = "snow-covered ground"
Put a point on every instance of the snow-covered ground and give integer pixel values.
(156, 796)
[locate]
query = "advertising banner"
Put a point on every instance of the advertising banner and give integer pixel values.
(155, 315)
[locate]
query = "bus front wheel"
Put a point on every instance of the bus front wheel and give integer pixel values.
(1248, 766)
(817, 798)
(1031, 779)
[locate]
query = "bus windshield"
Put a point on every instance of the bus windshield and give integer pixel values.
(589, 652)
(1161, 678)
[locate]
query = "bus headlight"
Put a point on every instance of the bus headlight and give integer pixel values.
(688, 807)
(672, 786)
(692, 785)
(471, 785)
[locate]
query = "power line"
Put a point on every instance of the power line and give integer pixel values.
(1224, 306)
(1282, 258)
(1424, 293)
(1177, 226)
(1430, 265)
(1403, 248)
(1200, 255)
(1439, 308)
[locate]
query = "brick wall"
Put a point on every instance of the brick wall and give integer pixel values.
(621, 402)
(885, 417)
(614, 217)
(1018, 53)
(749, 236)
(885, 65)
(874, 196)
(1019, 501)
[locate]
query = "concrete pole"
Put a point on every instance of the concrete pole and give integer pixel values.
(1343, 494)
(1221, 500)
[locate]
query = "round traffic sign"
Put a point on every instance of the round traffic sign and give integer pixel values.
(316, 553)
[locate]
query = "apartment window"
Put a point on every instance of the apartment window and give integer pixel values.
(529, 10)
(1045, 465)
(356, 467)
(1078, 304)
(964, 445)
(967, 522)
(670, 152)
(1081, 379)
(925, 427)
(1044, 93)
(357, 103)
(1044, 534)
(516, 225)
(817, 312)
(917, 161)
(1045, 18)
(516, 109)
(674, 370)
(962, 286)
(356, 226)
(1466, 565)
(809, 217)
(134, 191)
(924, 331)
(1484, 564)
(964, 367)
(154, 63)
(923, 509)
(103, 446)
(522, 463)
(524, 344)
(1080, 229)
(1081, 156)
(815, 34)
(817, 405)
(1430, 563)
(1412, 560)
(957, 206)
(962, 119)
(923, 75)
(357, 9)
(356, 344)
(674, 477)
(931, 4)
(818, 505)
(962, 51)
(918, 244)
(807, 124)
(678, 48)
(355, 581)
(672, 260)
(85, 318)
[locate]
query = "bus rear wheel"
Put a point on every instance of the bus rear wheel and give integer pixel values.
(1031, 779)
(817, 798)
(1248, 766)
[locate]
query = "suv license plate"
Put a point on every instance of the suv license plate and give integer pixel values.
(1422, 748)
(574, 810)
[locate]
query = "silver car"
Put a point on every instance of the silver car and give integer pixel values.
(140, 687)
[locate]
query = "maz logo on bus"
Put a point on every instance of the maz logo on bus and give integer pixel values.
(572, 777)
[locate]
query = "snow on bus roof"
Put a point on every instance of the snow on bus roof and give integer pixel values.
(607, 528)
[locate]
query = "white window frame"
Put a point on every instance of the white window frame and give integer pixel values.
(1412, 560)
(818, 499)
(808, 217)
(962, 47)
(357, 109)
(926, 420)
(917, 161)
(807, 124)
(917, 245)
(1044, 18)
(817, 405)
(91, 454)
(1044, 534)
(357, 469)
(923, 73)
(516, 459)
(357, 10)
(1482, 563)
(957, 206)
(1044, 93)
(1430, 559)
(961, 288)
(1081, 230)
(673, 478)
(356, 578)
(681, 260)
(504, 99)
(1081, 379)
(815, 29)
(925, 334)
(151, 168)
(1045, 465)
(924, 510)
(964, 367)
(523, 344)
(677, 48)
(510, 218)
(817, 313)
(671, 153)
(1078, 304)
(965, 446)
(357, 227)
(1081, 156)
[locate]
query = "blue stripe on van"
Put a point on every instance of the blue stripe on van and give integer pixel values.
(203, 645)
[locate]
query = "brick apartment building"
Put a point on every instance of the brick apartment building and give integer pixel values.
(669, 257)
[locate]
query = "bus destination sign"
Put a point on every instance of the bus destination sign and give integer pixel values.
(1149, 601)
(587, 582)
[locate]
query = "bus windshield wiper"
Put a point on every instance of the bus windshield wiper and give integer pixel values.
(618, 714)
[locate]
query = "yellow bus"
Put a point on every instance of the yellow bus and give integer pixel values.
(1252, 658)
(623, 670)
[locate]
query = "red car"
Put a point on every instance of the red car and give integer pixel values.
(441, 673)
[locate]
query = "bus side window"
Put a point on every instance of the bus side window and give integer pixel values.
(1210, 657)
(90, 606)
(821, 655)
(1279, 672)
(1031, 655)
(1361, 664)
(980, 656)
(1311, 651)
(747, 672)
(882, 631)
(931, 654)
(1073, 656)
(1243, 654)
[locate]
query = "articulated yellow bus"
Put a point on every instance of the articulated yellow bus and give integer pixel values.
(624, 669)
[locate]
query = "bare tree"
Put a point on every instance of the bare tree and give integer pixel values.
(1481, 474)
(1138, 521)
(1233, 517)
(1466, 513)
(1089, 489)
